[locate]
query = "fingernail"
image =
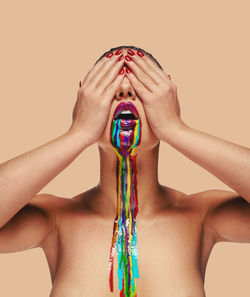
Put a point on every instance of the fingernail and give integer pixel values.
(130, 52)
(140, 54)
(80, 84)
(121, 71)
(128, 58)
(169, 76)
(109, 55)
(128, 70)
(118, 52)
(121, 58)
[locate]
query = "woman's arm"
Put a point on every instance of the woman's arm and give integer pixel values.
(228, 161)
(22, 177)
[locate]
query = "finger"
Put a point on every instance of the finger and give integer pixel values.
(111, 89)
(140, 74)
(148, 65)
(110, 75)
(139, 88)
(107, 65)
(97, 66)
(93, 70)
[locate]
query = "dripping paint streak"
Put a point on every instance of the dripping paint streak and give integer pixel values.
(124, 228)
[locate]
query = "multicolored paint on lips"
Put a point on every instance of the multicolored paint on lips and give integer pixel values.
(125, 131)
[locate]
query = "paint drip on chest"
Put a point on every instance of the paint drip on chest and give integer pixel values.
(125, 135)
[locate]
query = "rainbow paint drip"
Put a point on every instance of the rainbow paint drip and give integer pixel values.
(125, 136)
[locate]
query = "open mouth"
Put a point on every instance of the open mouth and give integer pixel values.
(126, 111)
(125, 115)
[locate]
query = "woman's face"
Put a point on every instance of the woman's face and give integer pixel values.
(126, 93)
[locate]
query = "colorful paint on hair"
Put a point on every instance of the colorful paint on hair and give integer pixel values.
(125, 135)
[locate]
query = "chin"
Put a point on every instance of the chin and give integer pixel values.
(127, 129)
(148, 141)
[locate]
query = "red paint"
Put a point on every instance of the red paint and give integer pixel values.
(122, 294)
(140, 54)
(135, 181)
(128, 123)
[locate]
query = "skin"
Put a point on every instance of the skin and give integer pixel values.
(176, 231)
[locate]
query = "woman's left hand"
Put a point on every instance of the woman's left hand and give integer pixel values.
(157, 93)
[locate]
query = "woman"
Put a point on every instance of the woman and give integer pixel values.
(175, 231)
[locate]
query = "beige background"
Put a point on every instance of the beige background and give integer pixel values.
(48, 46)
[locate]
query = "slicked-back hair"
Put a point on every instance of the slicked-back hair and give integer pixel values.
(132, 47)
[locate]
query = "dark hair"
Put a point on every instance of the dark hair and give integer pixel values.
(132, 47)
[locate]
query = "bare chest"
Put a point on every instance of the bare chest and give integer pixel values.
(170, 251)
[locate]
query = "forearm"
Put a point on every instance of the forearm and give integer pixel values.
(22, 177)
(227, 161)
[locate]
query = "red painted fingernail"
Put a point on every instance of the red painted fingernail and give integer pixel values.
(130, 52)
(118, 52)
(128, 70)
(121, 71)
(121, 58)
(169, 76)
(128, 58)
(109, 55)
(80, 84)
(140, 54)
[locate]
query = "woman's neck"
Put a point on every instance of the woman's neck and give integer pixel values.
(148, 188)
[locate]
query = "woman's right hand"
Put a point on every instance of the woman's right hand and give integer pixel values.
(94, 97)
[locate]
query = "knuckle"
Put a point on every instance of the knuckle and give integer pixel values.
(169, 89)
(103, 103)
(111, 88)
(174, 87)
(85, 92)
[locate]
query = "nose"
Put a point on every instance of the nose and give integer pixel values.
(125, 90)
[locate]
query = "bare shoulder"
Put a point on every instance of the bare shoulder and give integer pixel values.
(227, 215)
(208, 199)
(49, 203)
(57, 207)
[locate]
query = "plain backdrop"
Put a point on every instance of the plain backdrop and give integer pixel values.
(48, 46)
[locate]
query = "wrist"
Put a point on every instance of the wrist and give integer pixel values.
(78, 137)
(174, 130)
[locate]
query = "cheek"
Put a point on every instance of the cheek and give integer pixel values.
(148, 139)
(104, 140)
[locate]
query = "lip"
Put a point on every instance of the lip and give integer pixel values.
(126, 106)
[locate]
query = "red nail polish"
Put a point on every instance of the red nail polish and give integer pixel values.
(121, 58)
(118, 52)
(121, 71)
(130, 52)
(169, 76)
(140, 54)
(128, 70)
(128, 58)
(80, 84)
(109, 55)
